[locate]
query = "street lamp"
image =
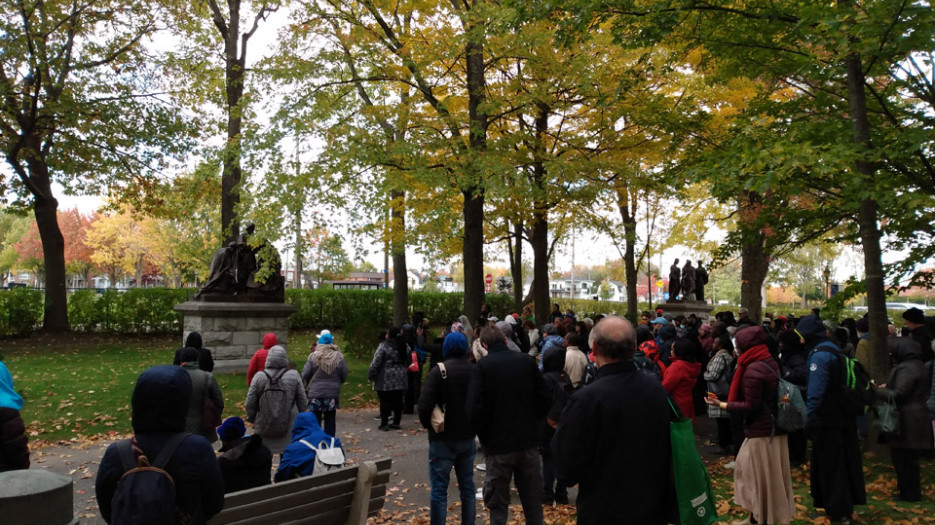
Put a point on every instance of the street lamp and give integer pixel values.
(827, 274)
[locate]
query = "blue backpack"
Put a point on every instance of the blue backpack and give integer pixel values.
(145, 494)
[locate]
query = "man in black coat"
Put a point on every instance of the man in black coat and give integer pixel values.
(613, 439)
(507, 402)
(160, 404)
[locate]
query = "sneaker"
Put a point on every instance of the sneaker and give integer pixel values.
(376, 417)
(482, 467)
(480, 495)
(383, 428)
(394, 426)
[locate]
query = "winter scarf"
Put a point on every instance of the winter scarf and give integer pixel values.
(753, 355)
(329, 358)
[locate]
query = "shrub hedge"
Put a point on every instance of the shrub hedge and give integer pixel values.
(150, 310)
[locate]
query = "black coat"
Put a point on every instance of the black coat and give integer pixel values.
(613, 440)
(909, 385)
(14, 451)
(245, 463)
(160, 404)
(452, 393)
(507, 400)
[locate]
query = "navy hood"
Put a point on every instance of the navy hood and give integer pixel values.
(812, 330)
(160, 399)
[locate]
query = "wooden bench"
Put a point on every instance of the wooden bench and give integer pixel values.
(346, 496)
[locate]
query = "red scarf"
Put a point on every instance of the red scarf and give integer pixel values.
(754, 354)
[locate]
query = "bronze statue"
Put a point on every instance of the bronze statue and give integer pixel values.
(233, 273)
(675, 279)
(688, 281)
(701, 279)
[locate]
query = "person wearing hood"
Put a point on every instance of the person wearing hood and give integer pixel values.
(680, 376)
(552, 340)
(837, 475)
(666, 336)
(14, 451)
(159, 407)
(908, 387)
(559, 385)
(258, 361)
(204, 387)
(762, 478)
(205, 361)
(244, 460)
(647, 352)
(454, 446)
(298, 460)
(387, 372)
(324, 372)
(277, 370)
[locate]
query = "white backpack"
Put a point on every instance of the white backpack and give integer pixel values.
(327, 457)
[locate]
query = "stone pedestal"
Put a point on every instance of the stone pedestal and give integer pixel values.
(701, 309)
(234, 331)
(36, 497)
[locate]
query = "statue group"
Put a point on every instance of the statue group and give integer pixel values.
(687, 283)
(234, 273)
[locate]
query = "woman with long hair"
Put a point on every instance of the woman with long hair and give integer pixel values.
(762, 479)
(388, 374)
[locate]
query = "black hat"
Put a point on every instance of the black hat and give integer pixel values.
(914, 315)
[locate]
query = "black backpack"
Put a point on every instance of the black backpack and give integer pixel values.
(854, 381)
(145, 494)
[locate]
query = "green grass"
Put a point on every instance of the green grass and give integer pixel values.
(880, 480)
(78, 387)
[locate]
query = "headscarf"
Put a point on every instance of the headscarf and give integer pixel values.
(455, 344)
(752, 343)
(8, 397)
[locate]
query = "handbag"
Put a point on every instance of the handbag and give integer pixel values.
(210, 411)
(692, 485)
(327, 457)
(438, 411)
(887, 420)
(414, 365)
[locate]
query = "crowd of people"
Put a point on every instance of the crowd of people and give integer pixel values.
(571, 402)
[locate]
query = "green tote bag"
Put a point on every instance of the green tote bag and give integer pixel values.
(692, 484)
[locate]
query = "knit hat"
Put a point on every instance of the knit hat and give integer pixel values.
(914, 315)
(455, 343)
(232, 428)
(325, 339)
(323, 332)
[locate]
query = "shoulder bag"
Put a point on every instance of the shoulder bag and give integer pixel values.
(438, 411)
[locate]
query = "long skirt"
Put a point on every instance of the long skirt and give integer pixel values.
(762, 480)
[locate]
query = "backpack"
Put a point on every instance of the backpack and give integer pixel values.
(856, 394)
(275, 407)
(145, 494)
(647, 366)
(791, 412)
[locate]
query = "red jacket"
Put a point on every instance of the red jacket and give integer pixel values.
(679, 380)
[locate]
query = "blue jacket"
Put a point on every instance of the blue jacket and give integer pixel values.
(160, 405)
(298, 459)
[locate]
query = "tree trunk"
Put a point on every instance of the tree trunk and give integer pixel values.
(754, 264)
(516, 266)
(473, 187)
(867, 223)
(55, 319)
(400, 272)
(540, 226)
(234, 83)
(628, 217)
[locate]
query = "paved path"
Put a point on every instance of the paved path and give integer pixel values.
(407, 499)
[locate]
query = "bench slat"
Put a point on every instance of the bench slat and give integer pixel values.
(287, 487)
(336, 509)
(266, 505)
